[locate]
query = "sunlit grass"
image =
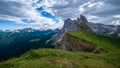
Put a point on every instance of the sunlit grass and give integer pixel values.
(44, 58)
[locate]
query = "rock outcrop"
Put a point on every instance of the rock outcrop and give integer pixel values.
(71, 43)
(64, 41)
(73, 25)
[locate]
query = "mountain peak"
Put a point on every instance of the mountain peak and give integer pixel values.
(83, 18)
(71, 25)
(79, 25)
(68, 19)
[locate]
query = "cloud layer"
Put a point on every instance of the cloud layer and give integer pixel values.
(19, 11)
(49, 14)
(97, 11)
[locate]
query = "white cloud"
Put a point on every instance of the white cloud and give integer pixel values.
(81, 9)
(117, 16)
(95, 4)
(16, 10)
(27, 9)
(115, 22)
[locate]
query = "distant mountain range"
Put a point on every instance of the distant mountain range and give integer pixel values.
(17, 42)
(113, 30)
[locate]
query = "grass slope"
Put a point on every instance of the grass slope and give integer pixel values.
(111, 44)
(51, 58)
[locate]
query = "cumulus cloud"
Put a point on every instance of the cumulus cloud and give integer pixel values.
(98, 11)
(14, 10)
(103, 10)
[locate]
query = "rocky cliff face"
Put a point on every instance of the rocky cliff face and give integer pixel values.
(73, 25)
(64, 41)
(71, 43)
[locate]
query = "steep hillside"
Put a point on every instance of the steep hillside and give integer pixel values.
(70, 43)
(104, 42)
(88, 42)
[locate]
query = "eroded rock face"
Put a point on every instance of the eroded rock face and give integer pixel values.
(65, 41)
(73, 25)
(71, 43)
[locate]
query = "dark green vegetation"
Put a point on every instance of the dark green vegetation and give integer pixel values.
(14, 44)
(44, 58)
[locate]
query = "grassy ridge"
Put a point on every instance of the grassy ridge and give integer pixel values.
(44, 58)
(110, 44)
(50, 58)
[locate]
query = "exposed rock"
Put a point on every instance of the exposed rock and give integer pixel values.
(117, 31)
(73, 25)
(64, 41)
(105, 29)
(71, 43)
(83, 19)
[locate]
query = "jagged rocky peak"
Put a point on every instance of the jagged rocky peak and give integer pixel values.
(72, 25)
(64, 41)
(68, 19)
(82, 19)
(68, 23)
(78, 18)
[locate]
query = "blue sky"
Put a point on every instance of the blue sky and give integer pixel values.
(8, 25)
(50, 14)
(16, 14)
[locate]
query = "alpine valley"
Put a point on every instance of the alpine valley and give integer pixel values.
(79, 44)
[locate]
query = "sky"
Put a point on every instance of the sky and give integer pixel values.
(50, 14)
